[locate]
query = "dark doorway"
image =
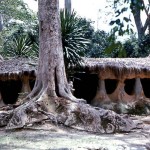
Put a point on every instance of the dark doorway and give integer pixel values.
(85, 86)
(9, 90)
(129, 86)
(110, 85)
(146, 86)
(32, 82)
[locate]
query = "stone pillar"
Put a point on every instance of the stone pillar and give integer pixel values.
(25, 88)
(101, 95)
(138, 89)
(119, 95)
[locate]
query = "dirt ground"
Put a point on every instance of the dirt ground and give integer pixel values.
(50, 137)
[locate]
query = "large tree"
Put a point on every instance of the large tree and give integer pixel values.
(51, 97)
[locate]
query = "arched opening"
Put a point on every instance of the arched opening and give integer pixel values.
(110, 85)
(85, 86)
(146, 86)
(129, 86)
(9, 90)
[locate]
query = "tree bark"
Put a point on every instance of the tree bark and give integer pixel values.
(68, 6)
(1, 22)
(136, 8)
(136, 11)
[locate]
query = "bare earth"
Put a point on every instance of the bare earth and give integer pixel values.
(49, 137)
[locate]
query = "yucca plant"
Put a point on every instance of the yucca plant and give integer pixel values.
(73, 38)
(18, 46)
(23, 44)
(21, 40)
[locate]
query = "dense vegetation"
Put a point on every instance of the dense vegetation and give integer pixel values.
(19, 37)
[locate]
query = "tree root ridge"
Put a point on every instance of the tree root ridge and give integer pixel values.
(76, 115)
(5, 116)
(86, 117)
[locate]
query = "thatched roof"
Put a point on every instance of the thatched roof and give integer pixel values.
(17, 67)
(136, 63)
(118, 66)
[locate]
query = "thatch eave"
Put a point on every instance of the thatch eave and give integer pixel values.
(16, 68)
(118, 67)
(111, 68)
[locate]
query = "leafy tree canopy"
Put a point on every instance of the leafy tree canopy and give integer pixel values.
(16, 10)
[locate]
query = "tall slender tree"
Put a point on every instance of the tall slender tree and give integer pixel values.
(137, 7)
(68, 6)
(1, 22)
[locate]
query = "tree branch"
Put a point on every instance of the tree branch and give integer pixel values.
(146, 23)
(146, 10)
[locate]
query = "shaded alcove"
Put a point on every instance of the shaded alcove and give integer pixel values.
(9, 90)
(31, 82)
(146, 86)
(85, 86)
(110, 85)
(129, 86)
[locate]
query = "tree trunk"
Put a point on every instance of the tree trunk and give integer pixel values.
(1, 22)
(51, 73)
(137, 7)
(68, 6)
(44, 103)
(136, 11)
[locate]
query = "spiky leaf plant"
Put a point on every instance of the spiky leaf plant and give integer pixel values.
(20, 39)
(18, 46)
(73, 38)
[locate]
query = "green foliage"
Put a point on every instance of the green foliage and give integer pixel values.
(18, 19)
(98, 44)
(73, 38)
(144, 46)
(136, 48)
(22, 38)
(123, 23)
(21, 41)
(19, 46)
(15, 9)
(89, 29)
(105, 45)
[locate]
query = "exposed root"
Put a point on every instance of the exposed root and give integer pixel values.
(76, 115)
(140, 106)
(85, 117)
(5, 116)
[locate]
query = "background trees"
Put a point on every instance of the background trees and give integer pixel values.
(136, 7)
(79, 38)
(14, 14)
